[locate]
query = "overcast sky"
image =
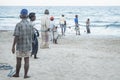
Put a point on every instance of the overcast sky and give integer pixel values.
(60, 2)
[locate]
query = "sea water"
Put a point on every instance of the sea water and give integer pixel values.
(104, 20)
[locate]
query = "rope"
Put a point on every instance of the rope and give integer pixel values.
(11, 73)
(5, 66)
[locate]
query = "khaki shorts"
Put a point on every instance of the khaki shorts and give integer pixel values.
(21, 54)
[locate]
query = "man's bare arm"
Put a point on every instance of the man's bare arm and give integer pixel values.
(14, 43)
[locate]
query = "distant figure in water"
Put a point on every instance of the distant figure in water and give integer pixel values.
(88, 25)
(77, 29)
(62, 23)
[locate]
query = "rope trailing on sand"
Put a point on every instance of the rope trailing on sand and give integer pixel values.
(5, 66)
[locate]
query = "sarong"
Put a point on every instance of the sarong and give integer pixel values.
(45, 40)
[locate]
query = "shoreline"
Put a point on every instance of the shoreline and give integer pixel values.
(71, 31)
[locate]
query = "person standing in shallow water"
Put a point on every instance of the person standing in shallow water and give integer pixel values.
(32, 18)
(77, 29)
(45, 24)
(88, 25)
(62, 23)
(23, 42)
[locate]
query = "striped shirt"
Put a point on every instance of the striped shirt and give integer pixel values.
(24, 31)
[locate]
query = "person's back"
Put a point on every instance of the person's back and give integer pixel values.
(62, 24)
(62, 20)
(76, 20)
(45, 24)
(23, 43)
(76, 25)
(52, 25)
(25, 32)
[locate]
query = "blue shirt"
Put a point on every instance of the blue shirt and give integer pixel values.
(76, 20)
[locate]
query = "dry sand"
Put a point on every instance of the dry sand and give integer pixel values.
(84, 57)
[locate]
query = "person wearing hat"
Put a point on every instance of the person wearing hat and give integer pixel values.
(52, 25)
(22, 43)
(32, 18)
(45, 24)
(54, 32)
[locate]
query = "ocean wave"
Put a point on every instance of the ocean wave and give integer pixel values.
(8, 17)
(105, 21)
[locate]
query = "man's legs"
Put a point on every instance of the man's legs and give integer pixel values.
(33, 48)
(18, 66)
(36, 50)
(78, 32)
(55, 41)
(26, 67)
(88, 29)
(62, 26)
(51, 35)
(64, 29)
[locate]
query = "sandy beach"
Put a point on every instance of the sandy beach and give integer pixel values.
(84, 57)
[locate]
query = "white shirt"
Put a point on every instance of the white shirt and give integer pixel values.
(52, 24)
(62, 20)
(45, 22)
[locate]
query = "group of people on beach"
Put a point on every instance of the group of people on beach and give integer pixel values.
(25, 41)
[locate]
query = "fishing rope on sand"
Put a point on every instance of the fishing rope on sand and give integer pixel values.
(5, 66)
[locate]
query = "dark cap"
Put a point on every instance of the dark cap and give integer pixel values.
(32, 14)
(46, 11)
